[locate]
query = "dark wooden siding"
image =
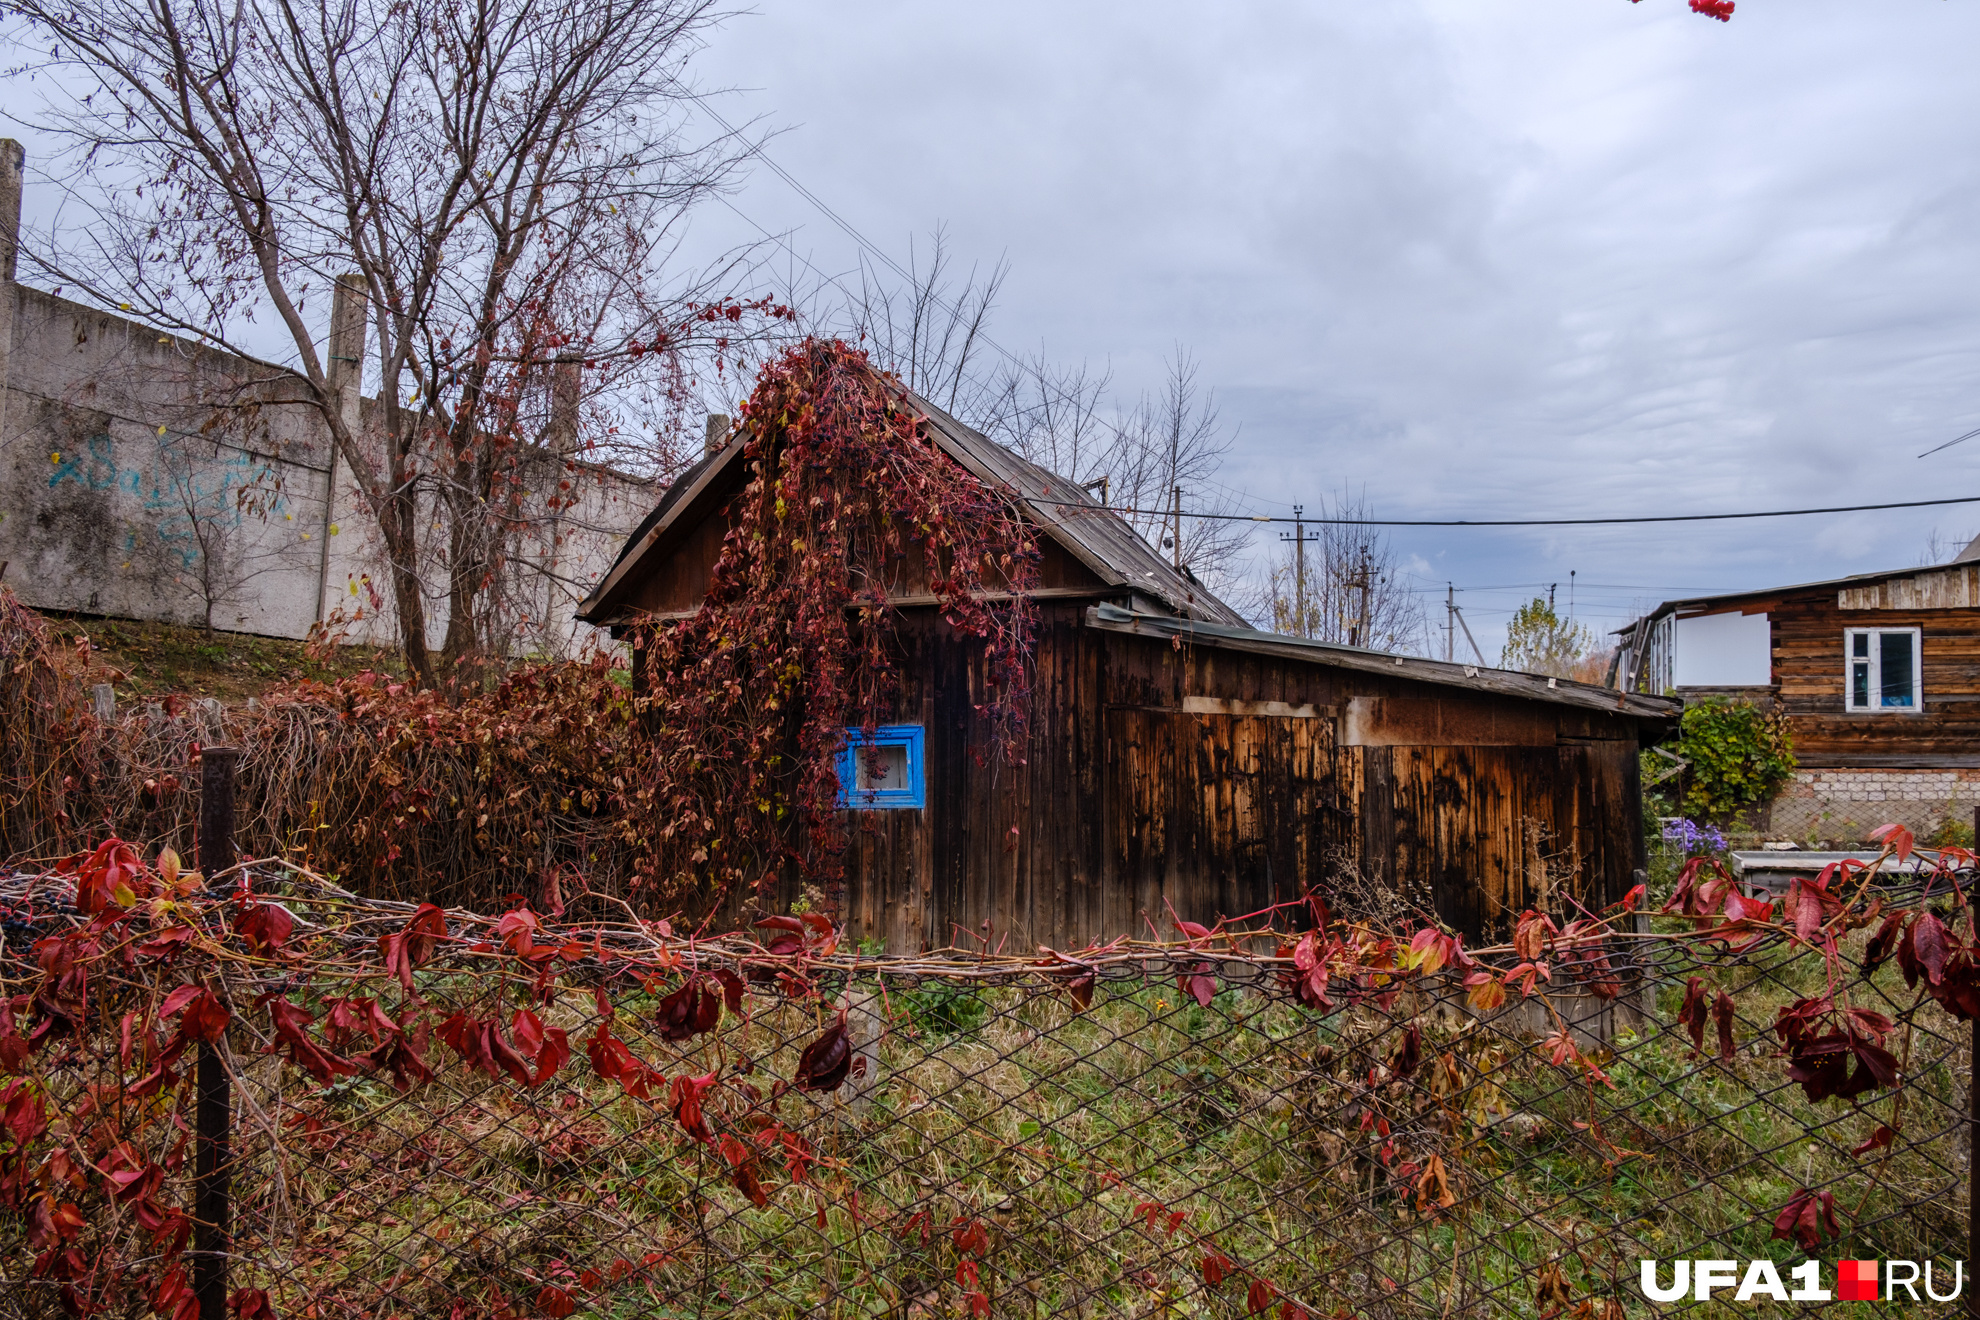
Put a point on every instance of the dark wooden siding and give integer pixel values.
(1808, 630)
(678, 581)
(1130, 803)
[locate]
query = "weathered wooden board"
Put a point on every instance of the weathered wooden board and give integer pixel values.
(1371, 721)
(1953, 587)
(1809, 674)
(1216, 784)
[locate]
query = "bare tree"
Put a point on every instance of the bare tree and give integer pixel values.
(1167, 451)
(1944, 547)
(929, 331)
(1352, 590)
(505, 179)
(932, 332)
(1133, 459)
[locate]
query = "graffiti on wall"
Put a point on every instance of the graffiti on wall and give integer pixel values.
(194, 503)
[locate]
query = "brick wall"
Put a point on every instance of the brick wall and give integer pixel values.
(1844, 805)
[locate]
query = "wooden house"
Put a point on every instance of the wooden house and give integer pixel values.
(1180, 758)
(1877, 676)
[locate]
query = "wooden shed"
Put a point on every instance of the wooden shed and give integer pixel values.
(1178, 757)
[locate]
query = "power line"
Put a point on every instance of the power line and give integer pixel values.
(1526, 522)
(865, 244)
(880, 255)
(1949, 444)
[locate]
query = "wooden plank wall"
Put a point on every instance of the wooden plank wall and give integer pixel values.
(1135, 797)
(1809, 662)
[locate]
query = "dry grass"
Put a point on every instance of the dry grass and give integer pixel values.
(1058, 1129)
(459, 799)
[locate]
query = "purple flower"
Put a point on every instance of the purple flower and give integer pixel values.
(1693, 837)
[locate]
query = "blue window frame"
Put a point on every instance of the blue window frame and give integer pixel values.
(888, 777)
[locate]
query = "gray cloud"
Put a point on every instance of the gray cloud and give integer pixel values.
(1474, 257)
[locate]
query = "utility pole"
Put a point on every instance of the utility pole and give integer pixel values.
(1299, 538)
(1175, 514)
(1450, 621)
(1359, 580)
(1458, 614)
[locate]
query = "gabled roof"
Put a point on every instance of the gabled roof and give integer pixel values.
(1097, 538)
(1499, 682)
(1704, 604)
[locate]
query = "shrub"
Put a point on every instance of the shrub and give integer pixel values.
(1736, 756)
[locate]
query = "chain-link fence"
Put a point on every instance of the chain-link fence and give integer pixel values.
(415, 1113)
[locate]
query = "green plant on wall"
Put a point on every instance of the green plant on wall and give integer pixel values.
(1736, 755)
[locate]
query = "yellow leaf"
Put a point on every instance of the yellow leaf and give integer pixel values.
(1486, 996)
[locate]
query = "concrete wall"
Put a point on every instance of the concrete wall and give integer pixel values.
(144, 476)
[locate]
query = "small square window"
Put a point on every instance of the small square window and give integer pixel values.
(1884, 671)
(884, 770)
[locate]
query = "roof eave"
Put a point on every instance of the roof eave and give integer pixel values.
(1499, 682)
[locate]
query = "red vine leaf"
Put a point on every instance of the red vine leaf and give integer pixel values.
(265, 926)
(291, 1034)
(1885, 942)
(1722, 1015)
(250, 1304)
(1877, 1140)
(1895, 837)
(1408, 1054)
(826, 1061)
(1804, 1218)
(411, 947)
(108, 880)
(742, 1169)
(204, 1016)
(1692, 1012)
(686, 1095)
(611, 1060)
(732, 989)
(693, 1010)
(1928, 944)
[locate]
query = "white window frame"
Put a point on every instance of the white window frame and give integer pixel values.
(1876, 661)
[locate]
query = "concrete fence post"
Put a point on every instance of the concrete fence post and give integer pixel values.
(213, 1117)
(13, 158)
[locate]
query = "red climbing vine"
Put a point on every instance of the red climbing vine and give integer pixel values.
(715, 775)
(849, 504)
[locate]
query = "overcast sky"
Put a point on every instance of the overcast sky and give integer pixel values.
(1472, 258)
(1479, 258)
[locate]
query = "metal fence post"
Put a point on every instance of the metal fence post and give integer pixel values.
(214, 1116)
